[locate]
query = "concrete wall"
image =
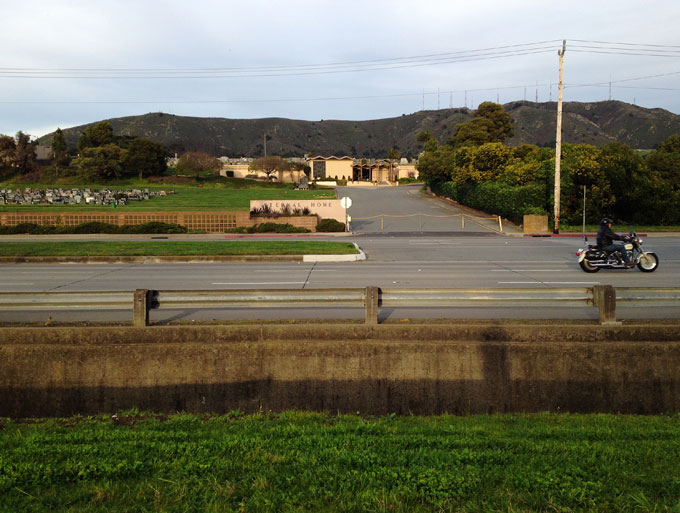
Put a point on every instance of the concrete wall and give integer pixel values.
(324, 208)
(371, 369)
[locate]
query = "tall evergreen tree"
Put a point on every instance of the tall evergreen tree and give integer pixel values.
(60, 155)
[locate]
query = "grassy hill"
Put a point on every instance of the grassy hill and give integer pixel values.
(593, 123)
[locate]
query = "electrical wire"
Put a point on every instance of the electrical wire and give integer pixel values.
(275, 71)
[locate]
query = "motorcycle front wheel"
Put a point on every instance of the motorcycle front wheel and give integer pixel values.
(588, 267)
(648, 262)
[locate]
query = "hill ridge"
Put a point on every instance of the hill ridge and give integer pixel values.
(595, 123)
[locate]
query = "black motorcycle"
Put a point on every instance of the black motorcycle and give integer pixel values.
(593, 259)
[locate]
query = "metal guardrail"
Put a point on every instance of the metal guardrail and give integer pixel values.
(603, 297)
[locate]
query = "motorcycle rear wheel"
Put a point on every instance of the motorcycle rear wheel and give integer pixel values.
(588, 267)
(648, 262)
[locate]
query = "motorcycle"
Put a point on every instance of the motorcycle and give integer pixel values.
(593, 259)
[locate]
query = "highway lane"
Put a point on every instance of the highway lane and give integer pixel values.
(394, 262)
(405, 261)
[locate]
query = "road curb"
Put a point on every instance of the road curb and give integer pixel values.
(336, 258)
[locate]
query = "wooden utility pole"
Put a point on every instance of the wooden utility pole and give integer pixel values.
(558, 139)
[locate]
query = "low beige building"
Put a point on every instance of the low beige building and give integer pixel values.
(328, 169)
(360, 170)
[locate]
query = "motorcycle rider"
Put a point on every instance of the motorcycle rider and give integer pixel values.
(606, 238)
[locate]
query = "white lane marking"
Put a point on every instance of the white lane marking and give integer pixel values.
(528, 270)
(548, 282)
(261, 283)
(56, 271)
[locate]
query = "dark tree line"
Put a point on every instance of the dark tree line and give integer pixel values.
(100, 155)
(476, 168)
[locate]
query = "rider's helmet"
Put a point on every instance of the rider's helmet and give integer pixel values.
(605, 220)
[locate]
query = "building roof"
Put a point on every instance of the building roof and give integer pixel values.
(332, 157)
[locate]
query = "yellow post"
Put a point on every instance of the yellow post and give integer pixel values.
(462, 221)
(382, 222)
(500, 223)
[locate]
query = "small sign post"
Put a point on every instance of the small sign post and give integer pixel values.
(346, 202)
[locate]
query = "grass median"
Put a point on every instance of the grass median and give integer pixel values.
(173, 248)
(297, 461)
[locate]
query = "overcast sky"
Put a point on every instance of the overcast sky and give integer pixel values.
(65, 63)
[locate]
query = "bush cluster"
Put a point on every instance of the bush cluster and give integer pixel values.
(271, 228)
(92, 227)
(330, 225)
(408, 180)
(513, 181)
(510, 202)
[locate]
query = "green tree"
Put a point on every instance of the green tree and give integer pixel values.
(8, 148)
(437, 165)
(489, 162)
(24, 154)
(581, 166)
(100, 163)
(196, 162)
(60, 156)
(393, 154)
(665, 160)
(145, 158)
(428, 140)
(100, 134)
(489, 124)
(270, 165)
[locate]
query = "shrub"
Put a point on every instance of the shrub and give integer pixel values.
(508, 201)
(271, 228)
(32, 228)
(278, 228)
(153, 227)
(407, 180)
(330, 225)
(92, 227)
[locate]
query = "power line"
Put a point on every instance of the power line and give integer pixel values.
(461, 53)
(273, 71)
(622, 44)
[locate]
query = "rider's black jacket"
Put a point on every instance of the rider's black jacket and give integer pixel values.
(605, 236)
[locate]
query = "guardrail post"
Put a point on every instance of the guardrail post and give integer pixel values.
(143, 302)
(371, 301)
(604, 298)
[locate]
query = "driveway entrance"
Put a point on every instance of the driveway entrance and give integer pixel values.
(407, 210)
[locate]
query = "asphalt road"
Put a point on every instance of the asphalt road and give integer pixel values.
(405, 209)
(402, 257)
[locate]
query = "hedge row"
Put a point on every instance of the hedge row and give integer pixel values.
(271, 228)
(508, 201)
(92, 227)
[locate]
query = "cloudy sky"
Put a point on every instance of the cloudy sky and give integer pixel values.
(69, 62)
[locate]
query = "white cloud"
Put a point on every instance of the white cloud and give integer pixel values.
(213, 33)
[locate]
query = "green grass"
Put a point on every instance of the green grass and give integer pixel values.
(175, 248)
(209, 194)
(318, 462)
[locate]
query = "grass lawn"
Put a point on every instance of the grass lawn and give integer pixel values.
(318, 462)
(175, 248)
(215, 194)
